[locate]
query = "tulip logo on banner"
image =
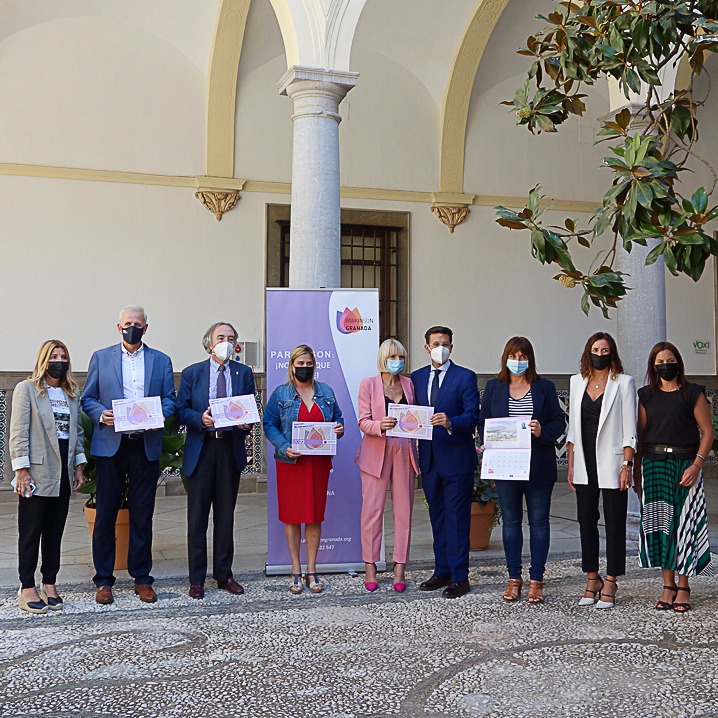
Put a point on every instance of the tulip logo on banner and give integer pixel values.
(350, 321)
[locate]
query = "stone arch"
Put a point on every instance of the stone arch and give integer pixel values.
(455, 110)
(222, 86)
(318, 33)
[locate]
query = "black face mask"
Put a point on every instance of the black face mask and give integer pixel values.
(132, 335)
(57, 369)
(666, 371)
(303, 373)
(600, 361)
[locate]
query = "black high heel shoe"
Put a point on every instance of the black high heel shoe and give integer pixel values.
(667, 605)
(682, 607)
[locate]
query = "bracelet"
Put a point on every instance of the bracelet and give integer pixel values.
(700, 456)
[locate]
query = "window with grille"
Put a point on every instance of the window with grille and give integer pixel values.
(372, 255)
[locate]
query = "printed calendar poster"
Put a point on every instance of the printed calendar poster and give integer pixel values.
(507, 449)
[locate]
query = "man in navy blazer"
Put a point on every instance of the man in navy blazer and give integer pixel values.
(213, 458)
(129, 370)
(448, 461)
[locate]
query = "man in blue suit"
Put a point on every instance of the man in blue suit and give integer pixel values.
(448, 461)
(129, 370)
(213, 458)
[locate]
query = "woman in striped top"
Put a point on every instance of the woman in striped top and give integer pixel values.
(520, 391)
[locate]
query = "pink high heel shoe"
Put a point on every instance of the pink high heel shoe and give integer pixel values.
(400, 586)
(371, 586)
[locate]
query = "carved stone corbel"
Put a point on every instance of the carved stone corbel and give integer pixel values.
(217, 201)
(451, 208)
(450, 214)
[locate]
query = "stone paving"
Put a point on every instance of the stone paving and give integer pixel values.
(347, 653)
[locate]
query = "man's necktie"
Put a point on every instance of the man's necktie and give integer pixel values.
(434, 387)
(221, 383)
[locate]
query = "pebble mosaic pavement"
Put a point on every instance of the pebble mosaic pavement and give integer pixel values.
(350, 654)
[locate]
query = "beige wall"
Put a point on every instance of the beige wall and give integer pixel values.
(75, 252)
(128, 92)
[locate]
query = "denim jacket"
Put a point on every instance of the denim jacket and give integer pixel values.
(283, 408)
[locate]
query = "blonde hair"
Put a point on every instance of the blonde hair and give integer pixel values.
(388, 347)
(296, 353)
(37, 378)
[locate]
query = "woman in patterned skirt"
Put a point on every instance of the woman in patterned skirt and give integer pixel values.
(674, 529)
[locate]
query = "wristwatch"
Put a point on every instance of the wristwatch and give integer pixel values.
(628, 463)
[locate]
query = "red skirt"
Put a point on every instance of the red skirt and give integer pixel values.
(302, 487)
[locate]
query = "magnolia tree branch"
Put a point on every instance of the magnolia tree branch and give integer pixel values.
(631, 42)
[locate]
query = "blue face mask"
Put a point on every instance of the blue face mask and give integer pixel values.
(395, 366)
(516, 366)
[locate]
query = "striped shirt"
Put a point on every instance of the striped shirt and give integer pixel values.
(523, 406)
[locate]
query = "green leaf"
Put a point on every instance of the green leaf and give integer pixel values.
(584, 304)
(534, 198)
(655, 253)
(644, 194)
(700, 200)
(670, 259)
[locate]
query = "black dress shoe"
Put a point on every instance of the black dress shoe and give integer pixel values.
(231, 586)
(454, 590)
(431, 584)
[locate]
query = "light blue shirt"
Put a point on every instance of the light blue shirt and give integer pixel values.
(133, 373)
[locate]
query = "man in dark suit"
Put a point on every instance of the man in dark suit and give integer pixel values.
(213, 458)
(448, 461)
(129, 370)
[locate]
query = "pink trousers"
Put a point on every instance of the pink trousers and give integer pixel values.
(397, 469)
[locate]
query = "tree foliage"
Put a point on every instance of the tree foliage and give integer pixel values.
(634, 42)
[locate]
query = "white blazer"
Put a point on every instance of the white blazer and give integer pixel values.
(616, 429)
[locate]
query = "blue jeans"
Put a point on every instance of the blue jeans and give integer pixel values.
(538, 504)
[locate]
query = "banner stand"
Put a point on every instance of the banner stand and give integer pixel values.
(342, 327)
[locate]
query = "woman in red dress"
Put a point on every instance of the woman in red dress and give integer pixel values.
(302, 481)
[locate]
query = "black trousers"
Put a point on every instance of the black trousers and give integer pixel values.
(41, 522)
(213, 485)
(130, 463)
(615, 506)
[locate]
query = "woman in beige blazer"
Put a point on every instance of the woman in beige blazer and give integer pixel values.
(601, 442)
(46, 449)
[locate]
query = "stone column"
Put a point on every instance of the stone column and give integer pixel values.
(315, 241)
(642, 312)
(641, 321)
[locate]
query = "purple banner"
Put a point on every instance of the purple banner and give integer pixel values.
(342, 326)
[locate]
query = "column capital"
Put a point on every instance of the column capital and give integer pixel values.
(336, 81)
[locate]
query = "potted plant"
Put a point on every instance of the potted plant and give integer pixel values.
(173, 438)
(485, 508)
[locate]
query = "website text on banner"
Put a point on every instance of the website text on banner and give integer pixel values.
(342, 326)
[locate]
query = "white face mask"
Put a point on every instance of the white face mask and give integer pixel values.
(223, 350)
(440, 355)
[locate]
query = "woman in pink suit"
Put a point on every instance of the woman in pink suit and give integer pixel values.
(382, 459)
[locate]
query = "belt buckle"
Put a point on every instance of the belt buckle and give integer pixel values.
(668, 450)
(219, 434)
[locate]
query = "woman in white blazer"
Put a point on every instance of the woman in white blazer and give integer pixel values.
(46, 449)
(601, 442)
